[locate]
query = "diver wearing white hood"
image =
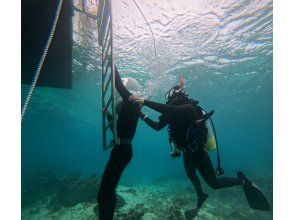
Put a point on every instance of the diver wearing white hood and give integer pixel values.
(132, 85)
(121, 154)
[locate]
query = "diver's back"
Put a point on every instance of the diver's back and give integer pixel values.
(127, 120)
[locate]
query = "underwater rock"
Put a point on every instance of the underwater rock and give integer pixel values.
(149, 216)
(73, 190)
(135, 213)
(169, 207)
(37, 186)
(173, 210)
(131, 191)
(154, 202)
(179, 202)
(63, 191)
(175, 214)
(120, 202)
(96, 210)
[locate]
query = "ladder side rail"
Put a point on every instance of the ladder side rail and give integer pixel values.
(114, 127)
(107, 37)
(107, 40)
(101, 5)
(105, 49)
(105, 18)
(103, 105)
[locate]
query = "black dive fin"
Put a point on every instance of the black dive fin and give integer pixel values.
(254, 195)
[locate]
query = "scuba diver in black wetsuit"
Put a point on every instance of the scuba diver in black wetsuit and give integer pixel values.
(179, 113)
(121, 154)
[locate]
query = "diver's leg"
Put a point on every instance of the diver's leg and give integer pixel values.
(205, 167)
(119, 159)
(190, 168)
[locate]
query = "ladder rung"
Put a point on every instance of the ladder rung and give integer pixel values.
(109, 101)
(105, 72)
(105, 51)
(108, 82)
(86, 13)
(108, 126)
(107, 67)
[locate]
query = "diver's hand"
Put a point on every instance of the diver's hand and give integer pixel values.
(137, 99)
(181, 81)
(141, 114)
(105, 112)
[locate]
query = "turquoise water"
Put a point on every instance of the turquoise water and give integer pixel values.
(224, 51)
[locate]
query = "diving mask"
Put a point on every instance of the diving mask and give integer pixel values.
(175, 90)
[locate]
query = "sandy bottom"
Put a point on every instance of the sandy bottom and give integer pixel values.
(167, 199)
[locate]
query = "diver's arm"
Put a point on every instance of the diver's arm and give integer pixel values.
(167, 109)
(153, 124)
(120, 87)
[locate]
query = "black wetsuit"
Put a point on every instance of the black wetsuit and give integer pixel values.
(179, 118)
(120, 155)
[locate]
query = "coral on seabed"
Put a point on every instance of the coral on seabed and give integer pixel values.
(37, 186)
(160, 201)
(66, 191)
(62, 191)
(72, 190)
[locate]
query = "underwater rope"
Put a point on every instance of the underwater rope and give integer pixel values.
(148, 26)
(41, 62)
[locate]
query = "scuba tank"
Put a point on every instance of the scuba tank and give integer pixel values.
(219, 170)
(212, 141)
(208, 133)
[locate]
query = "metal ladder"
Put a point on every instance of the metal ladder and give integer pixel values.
(105, 40)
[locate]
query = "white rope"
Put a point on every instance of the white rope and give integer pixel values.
(148, 26)
(41, 62)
